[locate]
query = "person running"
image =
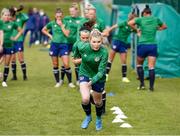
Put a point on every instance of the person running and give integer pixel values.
(120, 45)
(8, 50)
(92, 76)
(20, 19)
(59, 46)
(147, 27)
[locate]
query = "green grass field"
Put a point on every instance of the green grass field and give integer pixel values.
(35, 107)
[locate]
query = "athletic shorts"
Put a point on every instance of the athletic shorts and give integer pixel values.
(144, 50)
(97, 87)
(119, 46)
(18, 47)
(1, 55)
(8, 51)
(70, 46)
(58, 49)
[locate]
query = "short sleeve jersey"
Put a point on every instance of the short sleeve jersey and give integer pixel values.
(124, 31)
(148, 26)
(57, 33)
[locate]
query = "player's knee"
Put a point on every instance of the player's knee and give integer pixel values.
(97, 102)
(66, 65)
(85, 101)
(55, 64)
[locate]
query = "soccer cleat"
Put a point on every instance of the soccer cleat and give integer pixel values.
(71, 85)
(14, 78)
(98, 123)
(4, 84)
(77, 83)
(86, 122)
(151, 89)
(141, 87)
(125, 80)
(61, 82)
(57, 85)
(107, 77)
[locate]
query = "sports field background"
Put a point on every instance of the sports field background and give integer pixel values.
(35, 107)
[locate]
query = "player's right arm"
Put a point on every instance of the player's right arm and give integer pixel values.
(45, 30)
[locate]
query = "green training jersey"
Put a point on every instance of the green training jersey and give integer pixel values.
(93, 63)
(124, 30)
(73, 23)
(21, 18)
(75, 49)
(8, 28)
(1, 24)
(100, 25)
(57, 33)
(148, 26)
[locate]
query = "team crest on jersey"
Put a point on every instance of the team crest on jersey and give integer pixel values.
(81, 78)
(9, 26)
(77, 21)
(70, 21)
(55, 25)
(96, 59)
(85, 55)
(95, 25)
(18, 20)
(126, 27)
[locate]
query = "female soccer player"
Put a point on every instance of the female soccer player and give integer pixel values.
(92, 76)
(147, 46)
(120, 45)
(73, 20)
(59, 46)
(8, 50)
(20, 19)
(84, 38)
(1, 44)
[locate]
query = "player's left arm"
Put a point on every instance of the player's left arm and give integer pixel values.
(20, 32)
(161, 25)
(133, 24)
(63, 27)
